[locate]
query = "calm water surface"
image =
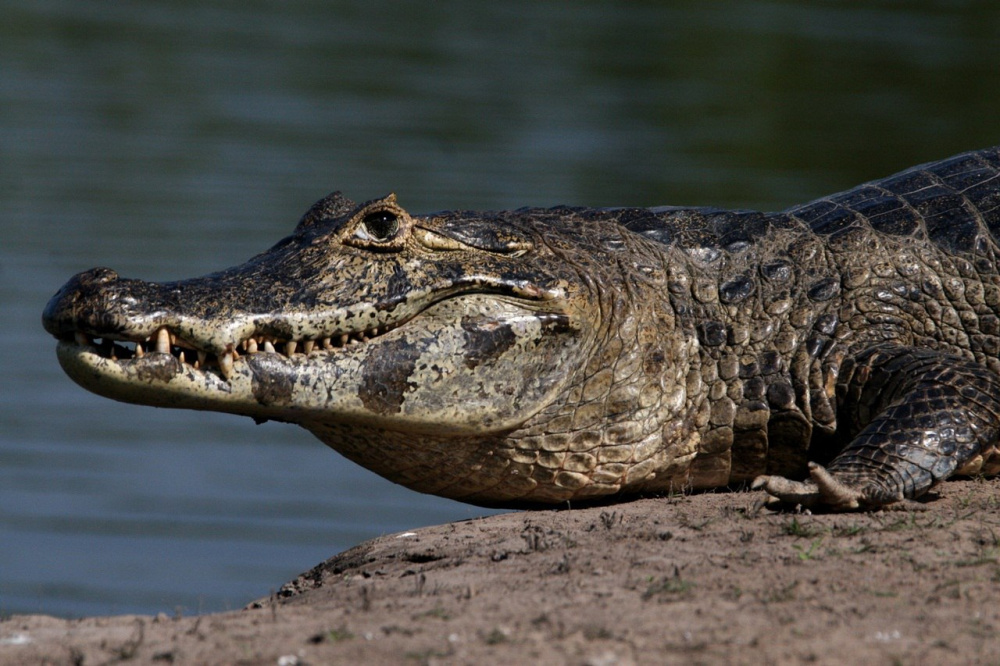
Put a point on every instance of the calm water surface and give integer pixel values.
(172, 139)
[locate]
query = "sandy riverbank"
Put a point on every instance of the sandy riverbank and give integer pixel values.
(697, 579)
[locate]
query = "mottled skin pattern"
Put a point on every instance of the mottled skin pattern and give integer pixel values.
(571, 354)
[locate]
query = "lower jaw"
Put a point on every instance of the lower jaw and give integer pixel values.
(155, 379)
(263, 386)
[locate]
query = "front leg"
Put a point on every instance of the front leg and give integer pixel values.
(920, 415)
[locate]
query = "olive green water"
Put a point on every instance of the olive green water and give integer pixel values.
(171, 139)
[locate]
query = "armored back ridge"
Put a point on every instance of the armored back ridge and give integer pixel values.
(841, 354)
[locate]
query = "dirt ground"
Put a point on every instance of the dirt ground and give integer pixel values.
(691, 579)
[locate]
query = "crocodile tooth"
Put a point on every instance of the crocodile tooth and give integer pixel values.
(180, 357)
(268, 347)
(307, 347)
(373, 332)
(163, 341)
(173, 339)
(290, 347)
(344, 339)
(202, 357)
(226, 364)
(139, 353)
(327, 344)
(251, 346)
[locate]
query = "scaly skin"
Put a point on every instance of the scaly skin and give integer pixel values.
(569, 354)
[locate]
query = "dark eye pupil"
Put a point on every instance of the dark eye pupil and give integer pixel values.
(381, 225)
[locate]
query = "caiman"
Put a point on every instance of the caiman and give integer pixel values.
(842, 354)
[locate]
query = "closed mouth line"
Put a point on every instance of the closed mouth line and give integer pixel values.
(166, 342)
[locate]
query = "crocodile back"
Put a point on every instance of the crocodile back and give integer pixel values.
(953, 203)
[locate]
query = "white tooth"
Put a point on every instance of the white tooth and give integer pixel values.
(307, 347)
(374, 332)
(180, 357)
(81, 339)
(290, 347)
(344, 339)
(327, 344)
(251, 346)
(364, 338)
(163, 341)
(226, 365)
(138, 351)
(202, 357)
(268, 347)
(173, 339)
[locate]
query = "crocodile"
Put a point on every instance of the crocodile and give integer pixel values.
(841, 355)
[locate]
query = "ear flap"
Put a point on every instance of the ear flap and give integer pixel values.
(330, 207)
(487, 234)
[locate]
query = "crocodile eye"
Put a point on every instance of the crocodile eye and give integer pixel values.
(381, 225)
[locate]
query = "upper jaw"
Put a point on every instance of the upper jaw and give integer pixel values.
(126, 320)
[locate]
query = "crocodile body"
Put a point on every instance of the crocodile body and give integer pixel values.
(844, 353)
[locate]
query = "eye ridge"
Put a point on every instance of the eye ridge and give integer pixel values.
(381, 225)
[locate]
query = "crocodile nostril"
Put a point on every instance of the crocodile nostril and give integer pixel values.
(62, 314)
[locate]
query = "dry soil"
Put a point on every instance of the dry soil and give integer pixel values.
(690, 579)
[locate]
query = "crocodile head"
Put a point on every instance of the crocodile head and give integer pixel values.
(415, 345)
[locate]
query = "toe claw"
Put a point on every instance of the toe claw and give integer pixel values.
(802, 493)
(833, 493)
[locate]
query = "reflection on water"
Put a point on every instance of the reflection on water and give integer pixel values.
(183, 138)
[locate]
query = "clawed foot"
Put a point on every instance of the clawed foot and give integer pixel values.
(821, 491)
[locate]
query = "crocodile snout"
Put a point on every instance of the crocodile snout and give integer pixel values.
(61, 316)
